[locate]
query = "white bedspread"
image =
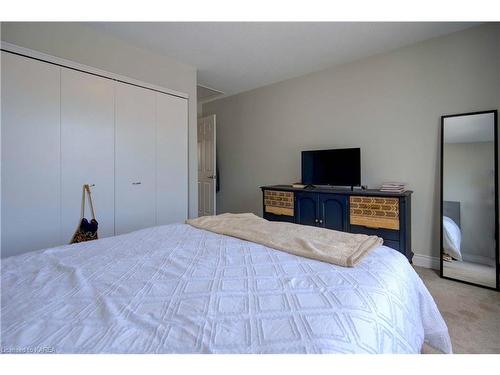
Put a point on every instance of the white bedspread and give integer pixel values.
(177, 289)
(452, 238)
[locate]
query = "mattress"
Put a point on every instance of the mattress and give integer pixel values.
(178, 289)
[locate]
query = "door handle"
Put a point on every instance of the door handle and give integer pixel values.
(212, 177)
(136, 183)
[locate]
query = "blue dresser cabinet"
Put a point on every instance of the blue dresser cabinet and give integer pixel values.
(323, 210)
(387, 215)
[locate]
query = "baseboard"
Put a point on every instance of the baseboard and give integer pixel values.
(426, 261)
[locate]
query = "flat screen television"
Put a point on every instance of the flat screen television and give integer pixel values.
(338, 167)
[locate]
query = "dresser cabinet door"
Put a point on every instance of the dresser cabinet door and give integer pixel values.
(31, 170)
(306, 208)
(333, 211)
(135, 145)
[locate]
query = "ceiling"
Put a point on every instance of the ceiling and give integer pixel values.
(238, 56)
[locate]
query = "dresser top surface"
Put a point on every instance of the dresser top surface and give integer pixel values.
(327, 190)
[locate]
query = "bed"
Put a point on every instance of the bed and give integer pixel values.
(452, 233)
(178, 289)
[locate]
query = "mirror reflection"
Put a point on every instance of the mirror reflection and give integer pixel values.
(468, 206)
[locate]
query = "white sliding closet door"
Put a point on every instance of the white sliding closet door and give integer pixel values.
(171, 164)
(135, 162)
(87, 149)
(30, 155)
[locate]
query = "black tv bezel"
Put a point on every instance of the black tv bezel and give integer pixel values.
(330, 149)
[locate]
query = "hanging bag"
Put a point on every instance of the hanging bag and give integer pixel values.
(86, 231)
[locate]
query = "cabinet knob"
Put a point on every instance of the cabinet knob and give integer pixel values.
(321, 221)
(136, 183)
(315, 220)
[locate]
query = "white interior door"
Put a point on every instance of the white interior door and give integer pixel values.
(31, 217)
(135, 148)
(87, 149)
(206, 165)
(171, 159)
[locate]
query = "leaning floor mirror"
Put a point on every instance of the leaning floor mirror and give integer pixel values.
(469, 198)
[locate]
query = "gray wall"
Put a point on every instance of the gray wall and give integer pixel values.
(389, 105)
(79, 43)
(468, 179)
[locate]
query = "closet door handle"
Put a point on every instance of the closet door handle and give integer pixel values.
(136, 183)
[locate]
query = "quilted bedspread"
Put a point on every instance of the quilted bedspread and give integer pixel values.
(178, 289)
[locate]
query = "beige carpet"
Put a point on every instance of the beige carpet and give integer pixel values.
(471, 313)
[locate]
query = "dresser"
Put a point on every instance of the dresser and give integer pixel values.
(372, 212)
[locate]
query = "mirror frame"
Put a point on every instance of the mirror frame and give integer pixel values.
(497, 261)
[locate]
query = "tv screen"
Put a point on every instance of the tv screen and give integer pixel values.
(340, 167)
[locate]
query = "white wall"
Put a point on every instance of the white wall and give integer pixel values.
(468, 178)
(389, 105)
(79, 43)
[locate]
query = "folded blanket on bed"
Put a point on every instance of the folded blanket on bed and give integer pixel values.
(331, 246)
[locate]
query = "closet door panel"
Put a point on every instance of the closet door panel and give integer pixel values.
(87, 149)
(135, 159)
(171, 163)
(30, 155)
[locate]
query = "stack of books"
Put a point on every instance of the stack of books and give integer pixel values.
(394, 187)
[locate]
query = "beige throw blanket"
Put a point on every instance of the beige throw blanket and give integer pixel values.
(340, 248)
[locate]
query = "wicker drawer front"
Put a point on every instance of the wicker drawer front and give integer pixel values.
(375, 212)
(278, 202)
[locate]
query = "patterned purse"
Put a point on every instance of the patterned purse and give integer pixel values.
(86, 231)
